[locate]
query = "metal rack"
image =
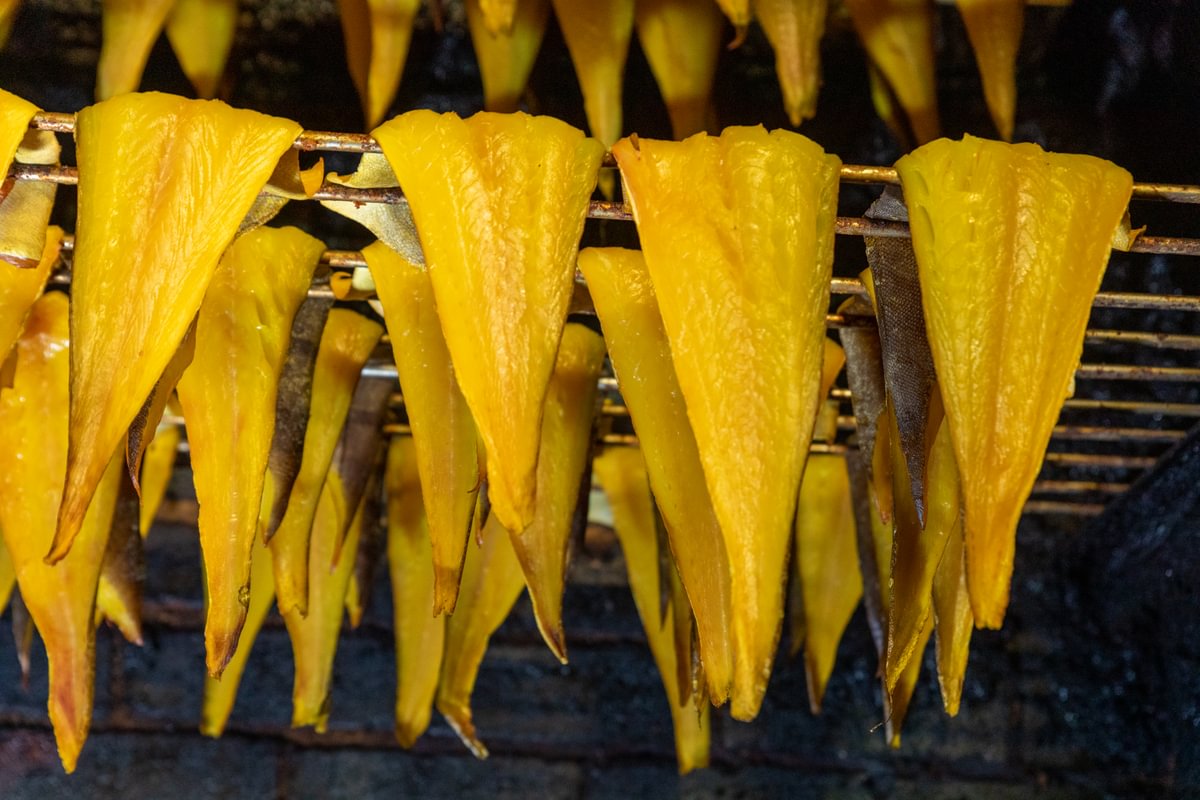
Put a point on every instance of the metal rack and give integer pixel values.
(1108, 473)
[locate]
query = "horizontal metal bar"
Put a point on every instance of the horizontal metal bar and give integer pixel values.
(1104, 460)
(1099, 433)
(1165, 341)
(1054, 507)
(1135, 407)
(1134, 372)
(1079, 487)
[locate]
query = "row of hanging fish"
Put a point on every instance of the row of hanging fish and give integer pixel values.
(182, 300)
(682, 40)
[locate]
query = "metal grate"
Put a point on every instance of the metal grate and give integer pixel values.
(1088, 463)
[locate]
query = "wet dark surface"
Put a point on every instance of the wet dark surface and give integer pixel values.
(1090, 690)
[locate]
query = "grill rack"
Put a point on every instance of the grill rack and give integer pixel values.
(1049, 490)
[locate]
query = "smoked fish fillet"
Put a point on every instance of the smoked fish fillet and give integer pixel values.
(506, 57)
(994, 28)
(499, 201)
(794, 28)
(743, 287)
(119, 593)
(346, 343)
(20, 289)
(1011, 245)
(163, 184)
(498, 15)
(953, 620)
(597, 33)
(201, 34)
(60, 598)
(377, 35)
(158, 466)
(566, 442)
(682, 42)
(129, 29)
(443, 431)
(491, 583)
(898, 36)
(641, 356)
(419, 635)
(622, 473)
(228, 396)
(15, 115)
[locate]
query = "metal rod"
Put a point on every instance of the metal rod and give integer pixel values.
(1165, 341)
(1135, 407)
(1097, 433)
(1104, 460)
(1055, 507)
(1133, 372)
(1079, 487)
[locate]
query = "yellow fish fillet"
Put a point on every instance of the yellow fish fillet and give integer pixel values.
(129, 29)
(994, 28)
(1011, 244)
(228, 397)
(157, 467)
(637, 344)
(506, 57)
(201, 34)
(953, 620)
(346, 343)
(444, 433)
(8, 13)
(20, 289)
(498, 15)
(898, 36)
(737, 232)
(315, 635)
(119, 594)
(597, 33)
(60, 598)
(827, 566)
(682, 41)
(794, 28)
(188, 171)
(420, 635)
(15, 115)
(377, 34)
(499, 201)
(566, 441)
(491, 584)
(622, 473)
(220, 693)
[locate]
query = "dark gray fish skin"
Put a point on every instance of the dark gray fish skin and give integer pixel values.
(856, 463)
(292, 403)
(372, 541)
(361, 440)
(124, 565)
(907, 360)
(864, 373)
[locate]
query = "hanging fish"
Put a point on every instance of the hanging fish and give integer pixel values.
(953, 619)
(346, 343)
(620, 287)
(8, 14)
(377, 34)
(1011, 245)
(597, 33)
(228, 395)
(119, 594)
(420, 636)
(129, 29)
(189, 171)
(710, 227)
(566, 439)
(622, 473)
(19, 290)
(201, 34)
(794, 28)
(994, 28)
(500, 237)
(682, 41)
(443, 430)
(158, 465)
(506, 55)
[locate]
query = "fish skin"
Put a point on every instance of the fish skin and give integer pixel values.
(622, 473)
(129, 29)
(637, 343)
(60, 598)
(20, 289)
(26, 206)
(794, 29)
(372, 545)
(1011, 245)
(500, 201)
(358, 448)
(443, 429)
(597, 33)
(542, 547)
(201, 34)
(314, 634)
(293, 400)
(221, 693)
(119, 594)
(229, 395)
(506, 57)
(953, 620)
(491, 583)
(683, 66)
(864, 372)
(907, 361)
(994, 28)
(347, 342)
(419, 635)
(898, 37)
(377, 35)
(176, 159)
(746, 343)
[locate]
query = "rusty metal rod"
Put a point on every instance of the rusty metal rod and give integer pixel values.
(1079, 487)
(1105, 460)
(1048, 507)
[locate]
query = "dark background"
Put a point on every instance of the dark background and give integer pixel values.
(1076, 697)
